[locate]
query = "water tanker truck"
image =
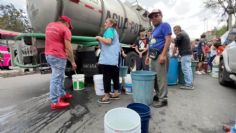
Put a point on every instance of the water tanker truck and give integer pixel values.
(88, 17)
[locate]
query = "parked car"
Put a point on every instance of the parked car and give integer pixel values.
(227, 62)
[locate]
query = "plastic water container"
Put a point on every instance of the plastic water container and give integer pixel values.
(128, 84)
(172, 75)
(145, 114)
(128, 79)
(142, 86)
(98, 84)
(78, 81)
(123, 70)
(122, 120)
(128, 88)
(215, 71)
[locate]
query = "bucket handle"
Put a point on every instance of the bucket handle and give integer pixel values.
(75, 72)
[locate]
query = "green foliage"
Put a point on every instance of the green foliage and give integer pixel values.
(219, 32)
(13, 19)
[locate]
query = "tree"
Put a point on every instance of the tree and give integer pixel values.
(219, 32)
(228, 6)
(13, 19)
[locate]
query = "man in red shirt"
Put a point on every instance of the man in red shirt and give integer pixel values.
(57, 50)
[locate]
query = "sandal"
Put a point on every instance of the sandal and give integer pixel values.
(114, 97)
(104, 101)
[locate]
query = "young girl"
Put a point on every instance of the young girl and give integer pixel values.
(109, 58)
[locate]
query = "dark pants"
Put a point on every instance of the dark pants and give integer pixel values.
(210, 61)
(140, 64)
(110, 73)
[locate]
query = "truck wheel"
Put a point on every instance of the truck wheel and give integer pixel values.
(130, 61)
(223, 75)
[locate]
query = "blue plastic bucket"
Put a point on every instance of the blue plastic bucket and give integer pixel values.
(144, 112)
(128, 88)
(172, 75)
(123, 70)
(142, 86)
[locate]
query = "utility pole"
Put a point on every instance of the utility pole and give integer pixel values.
(230, 12)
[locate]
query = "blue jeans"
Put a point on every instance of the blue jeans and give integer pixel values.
(187, 70)
(57, 78)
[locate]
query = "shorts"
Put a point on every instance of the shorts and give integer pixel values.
(201, 58)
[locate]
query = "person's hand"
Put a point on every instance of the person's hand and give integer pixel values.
(74, 66)
(132, 45)
(147, 61)
(162, 59)
(98, 38)
(124, 55)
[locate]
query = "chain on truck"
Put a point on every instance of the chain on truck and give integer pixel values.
(88, 17)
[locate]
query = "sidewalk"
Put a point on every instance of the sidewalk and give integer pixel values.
(15, 71)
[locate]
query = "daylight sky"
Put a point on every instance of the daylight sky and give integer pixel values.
(189, 14)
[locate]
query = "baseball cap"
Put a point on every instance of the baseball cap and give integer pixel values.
(68, 20)
(155, 11)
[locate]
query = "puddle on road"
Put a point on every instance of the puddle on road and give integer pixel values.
(35, 115)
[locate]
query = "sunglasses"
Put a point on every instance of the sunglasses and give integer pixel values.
(156, 15)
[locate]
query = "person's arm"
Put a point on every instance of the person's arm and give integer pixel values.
(147, 46)
(136, 49)
(69, 53)
(163, 54)
(104, 40)
(123, 53)
(146, 49)
(107, 36)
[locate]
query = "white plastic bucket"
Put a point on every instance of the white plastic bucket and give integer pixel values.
(215, 71)
(98, 84)
(122, 120)
(128, 79)
(78, 81)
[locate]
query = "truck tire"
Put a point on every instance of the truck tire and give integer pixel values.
(130, 61)
(223, 75)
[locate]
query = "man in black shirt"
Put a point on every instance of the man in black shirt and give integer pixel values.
(182, 42)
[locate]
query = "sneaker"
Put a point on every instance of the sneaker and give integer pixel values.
(203, 72)
(160, 104)
(66, 97)
(59, 105)
(187, 87)
(198, 72)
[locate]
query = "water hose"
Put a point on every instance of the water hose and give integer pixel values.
(24, 66)
(81, 40)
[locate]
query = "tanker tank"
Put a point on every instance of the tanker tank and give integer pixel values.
(88, 16)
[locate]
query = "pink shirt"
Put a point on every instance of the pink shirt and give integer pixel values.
(56, 34)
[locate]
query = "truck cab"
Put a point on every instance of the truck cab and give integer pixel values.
(227, 62)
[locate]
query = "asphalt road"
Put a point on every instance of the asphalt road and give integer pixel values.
(25, 108)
